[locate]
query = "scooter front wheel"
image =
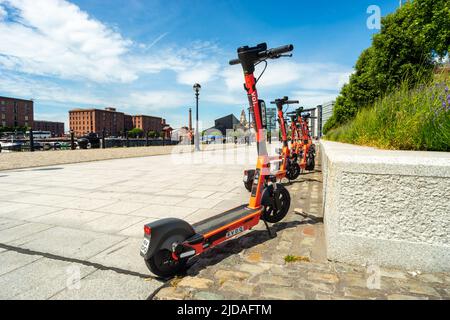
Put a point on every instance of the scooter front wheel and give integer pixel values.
(278, 208)
(164, 265)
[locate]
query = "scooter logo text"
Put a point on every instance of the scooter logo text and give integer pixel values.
(235, 232)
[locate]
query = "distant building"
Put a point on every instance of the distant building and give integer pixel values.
(16, 112)
(229, 122)
(182, 135)
(148, 123)
(85, 121)
(167, 130)
(327, 112)
(128, 122)
(55, 128)
(315, 122)
(243, 119)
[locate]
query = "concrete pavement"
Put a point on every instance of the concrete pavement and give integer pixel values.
(74, 231)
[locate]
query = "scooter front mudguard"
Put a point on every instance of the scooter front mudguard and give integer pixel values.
(163, 234)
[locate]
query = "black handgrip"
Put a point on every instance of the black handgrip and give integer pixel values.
(234, 62)
(274, 53)
(285, 102)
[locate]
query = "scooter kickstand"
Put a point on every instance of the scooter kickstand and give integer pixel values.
(271, 234)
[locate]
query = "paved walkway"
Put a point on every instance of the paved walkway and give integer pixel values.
(85, 221)
(20, 160)
(294, 265)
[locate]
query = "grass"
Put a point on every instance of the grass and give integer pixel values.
(407, 119)
(291, 259)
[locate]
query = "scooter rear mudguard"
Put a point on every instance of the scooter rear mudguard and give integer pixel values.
(165, 232)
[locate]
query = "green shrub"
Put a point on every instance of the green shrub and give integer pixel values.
(411, 41)
(407, 119)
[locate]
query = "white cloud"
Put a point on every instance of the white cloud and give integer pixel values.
(3, 13)
(313, 98)
(199, 73)
(148, 102)
(311, 76)
(54, 37)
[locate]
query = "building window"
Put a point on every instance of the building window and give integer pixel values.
(3, 123)
(3, 102)
(3, 116)
(26, 118)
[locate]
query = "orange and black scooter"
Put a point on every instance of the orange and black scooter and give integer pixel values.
(304, 148)
(289, 168)
(169, 243)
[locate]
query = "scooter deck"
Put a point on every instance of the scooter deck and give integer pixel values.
(223, 219)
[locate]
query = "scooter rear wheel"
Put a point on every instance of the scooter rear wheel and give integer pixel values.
(163, 265)
(274, 214)
(293, 171)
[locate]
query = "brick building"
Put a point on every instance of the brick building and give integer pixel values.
(84, 121)
(16, 112)
(56, 128)
(128, 122)
(148, 123)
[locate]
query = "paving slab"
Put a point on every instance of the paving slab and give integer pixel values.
(22, 231)
(40, 279)
(12, 260)
(68, 218)
(108, 285)
(112, 223)
(124, 255)
(66, 242)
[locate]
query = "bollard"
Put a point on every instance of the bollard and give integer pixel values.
(146, 139)
(103, 139)
(31, 141)
(72, 140)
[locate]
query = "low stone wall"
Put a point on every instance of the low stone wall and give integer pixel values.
(21, 160)
(387, 208)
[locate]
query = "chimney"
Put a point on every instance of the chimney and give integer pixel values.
(190, 119)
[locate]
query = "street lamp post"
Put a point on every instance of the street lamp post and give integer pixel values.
(197, 89)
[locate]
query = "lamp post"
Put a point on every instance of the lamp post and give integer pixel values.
(197, 89)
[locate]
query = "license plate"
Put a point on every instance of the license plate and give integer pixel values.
(234, 232)
(145, 245)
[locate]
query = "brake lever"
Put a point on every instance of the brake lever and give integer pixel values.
(282, 56)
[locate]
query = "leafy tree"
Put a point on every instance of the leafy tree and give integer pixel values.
(135, 133)
(410, 42)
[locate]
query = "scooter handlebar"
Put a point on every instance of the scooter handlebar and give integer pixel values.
(276, 52)
(234, 62)
(268, 54)
(284, 102)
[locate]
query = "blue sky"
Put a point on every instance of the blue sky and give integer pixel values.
(143, 56)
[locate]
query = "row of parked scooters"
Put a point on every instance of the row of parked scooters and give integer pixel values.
(297, 157)
(170, 243)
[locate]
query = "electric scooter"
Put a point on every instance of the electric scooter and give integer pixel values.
(304, 148)
(169, 243)
(308, 161)
(288, 168)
